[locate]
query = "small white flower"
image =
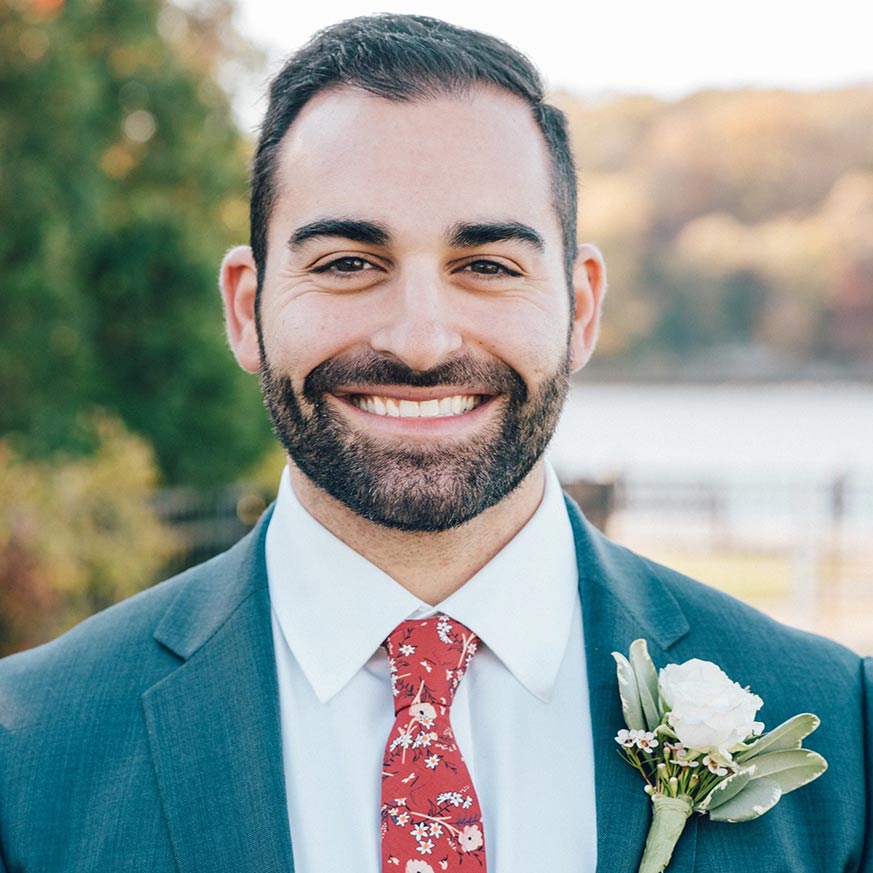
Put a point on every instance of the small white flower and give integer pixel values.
(419, 831)
(423, 712)
(402, 819)
(646, 741)
(626, 738)
(425, 847)
(431, 763)
(715, 766)
(444, 628)
(407, 649)
(436, 829)
(470, 838)
(467, 803)
(402, 739)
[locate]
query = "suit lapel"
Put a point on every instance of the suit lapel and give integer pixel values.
(214, 722)
(622, 600)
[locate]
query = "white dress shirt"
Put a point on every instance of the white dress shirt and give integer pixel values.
(521, 715)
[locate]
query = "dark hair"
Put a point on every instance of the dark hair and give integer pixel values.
(405, 57)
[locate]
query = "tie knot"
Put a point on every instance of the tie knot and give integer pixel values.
(428, 659)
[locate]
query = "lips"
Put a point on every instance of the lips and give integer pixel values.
(393, 407)
(369, 380)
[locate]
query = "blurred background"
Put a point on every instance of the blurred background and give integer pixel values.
(725, 426)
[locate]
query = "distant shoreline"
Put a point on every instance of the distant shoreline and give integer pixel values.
(694, 373)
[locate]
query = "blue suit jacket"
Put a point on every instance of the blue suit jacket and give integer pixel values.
(147, 738)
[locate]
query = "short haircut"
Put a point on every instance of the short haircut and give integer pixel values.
(405, 58)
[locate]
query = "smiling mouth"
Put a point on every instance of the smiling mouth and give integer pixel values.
(442, 407)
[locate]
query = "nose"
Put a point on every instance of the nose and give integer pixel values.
(418, 326)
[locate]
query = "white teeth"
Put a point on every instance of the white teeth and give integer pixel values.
(429, 408)
(458, 404)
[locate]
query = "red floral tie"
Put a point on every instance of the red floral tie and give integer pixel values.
(431, 821)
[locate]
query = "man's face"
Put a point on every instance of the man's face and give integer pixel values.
(414, 316)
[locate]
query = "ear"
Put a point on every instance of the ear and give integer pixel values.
(589, 284)
(239, 283)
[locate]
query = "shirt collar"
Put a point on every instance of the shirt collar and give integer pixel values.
(335, 608)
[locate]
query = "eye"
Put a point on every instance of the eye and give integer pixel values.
(489, 268)
(347, 264)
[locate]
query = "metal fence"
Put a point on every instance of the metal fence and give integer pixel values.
(801, 550)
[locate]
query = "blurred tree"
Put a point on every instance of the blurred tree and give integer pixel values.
(731, 219)
(76, 535)
(122, 183)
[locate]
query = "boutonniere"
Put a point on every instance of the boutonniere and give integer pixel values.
(692, 735)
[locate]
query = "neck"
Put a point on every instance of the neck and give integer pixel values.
(429, 565)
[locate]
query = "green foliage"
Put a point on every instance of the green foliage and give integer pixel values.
(76, 536)
(121, 186)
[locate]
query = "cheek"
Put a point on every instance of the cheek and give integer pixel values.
(534, 343)
(303, 332)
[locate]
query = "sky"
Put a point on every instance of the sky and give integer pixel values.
(668, 48)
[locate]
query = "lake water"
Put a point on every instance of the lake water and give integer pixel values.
(788, 432)
(794, 454)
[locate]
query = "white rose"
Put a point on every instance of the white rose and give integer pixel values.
(708, 711)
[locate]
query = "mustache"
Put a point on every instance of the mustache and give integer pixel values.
(370, 368)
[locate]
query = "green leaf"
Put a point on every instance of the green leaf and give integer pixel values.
(790, 769)
(726, 790)
(629, 693)
(787, 736)
(647, 682)
(759, 796)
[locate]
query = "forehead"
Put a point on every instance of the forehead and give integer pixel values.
(420, 163)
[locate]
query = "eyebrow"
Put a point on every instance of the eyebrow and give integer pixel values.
(464, 235)
(367, 232)
(468, 236)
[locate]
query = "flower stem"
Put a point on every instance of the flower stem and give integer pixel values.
(668, 821)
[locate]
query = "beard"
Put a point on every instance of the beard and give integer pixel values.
(414, 487)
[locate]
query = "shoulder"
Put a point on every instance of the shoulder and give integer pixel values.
(729, 631)
(118, 653)
(721, 615)
(110, 650)
(659, 595)
(687, 619)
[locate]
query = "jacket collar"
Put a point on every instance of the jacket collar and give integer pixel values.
(213, 723)
(623, 599)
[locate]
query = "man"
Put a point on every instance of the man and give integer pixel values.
(414, 301)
